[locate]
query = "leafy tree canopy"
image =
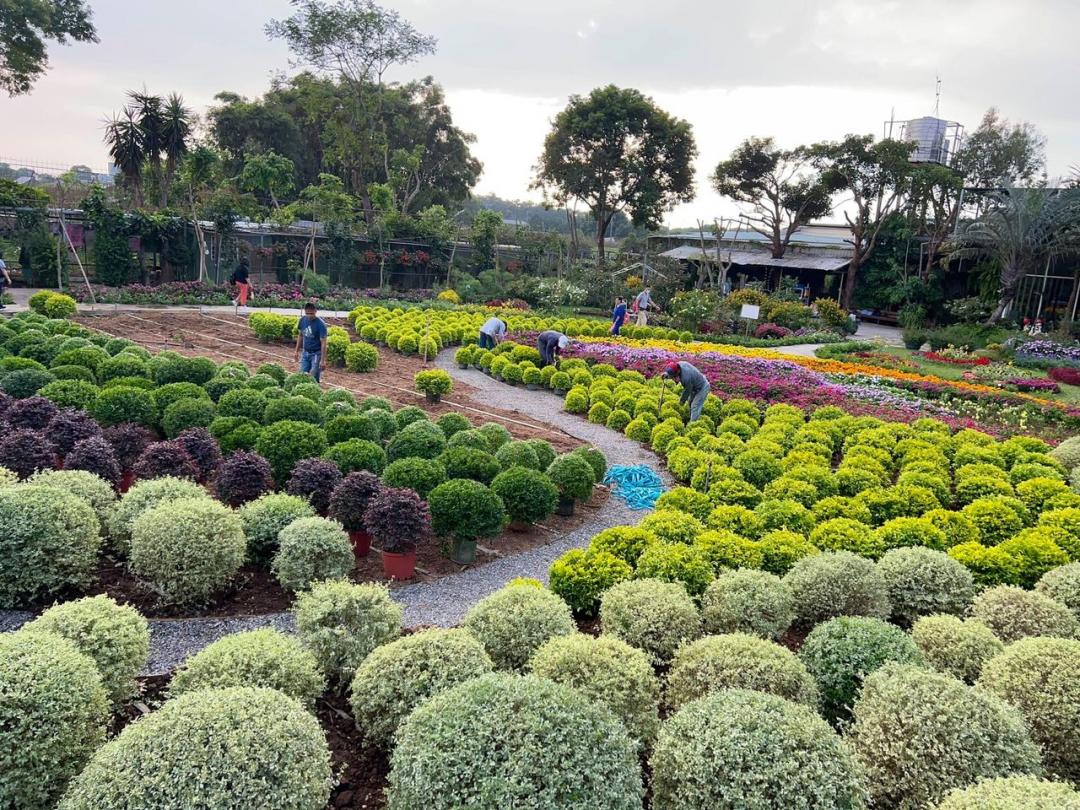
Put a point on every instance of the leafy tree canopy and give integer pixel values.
(26, 25)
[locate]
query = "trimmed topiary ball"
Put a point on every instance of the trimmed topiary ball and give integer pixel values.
(397, 677)
(673, 527)
(528, 495)
(125, 404)
(1012, 793)
(115, 637)
(204, 451)
(955, 647)
(32, 413)
(781, 550)
(841, 652)
(918, 734)
(610, 673)
(734, 745)
(53, 716)
(418, 439)
(145, 495)
(676, 562)
(267, 752)
(263, 518)
(737, 661)
(922, 581)
(653, 616)
(261, 658)
(1063, 585)
(466, 510)
(24, 452)
(128, 441)
(465, 462)
(581, 578)
(573, 476)
(418, 474)
(555, 745)
(517, 454)
(87, 487)
(341, 623)
(1041, 678)
(283, 444)
(351, 498)
(312, 549)
(49, 540)
(165, 460)
(1012, 614)
(514, 622)
(314, 479)
(753, 602)
(69, 427)
(243, 477)
(187, 413)
(185, 551)
(837, 583)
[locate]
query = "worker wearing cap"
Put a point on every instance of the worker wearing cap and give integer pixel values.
(492, 333)
(551, 345)
(694, 386)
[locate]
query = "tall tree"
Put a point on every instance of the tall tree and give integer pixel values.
(999, 154)
(124, 137)
(176, 130)
(485, 239)
(153, 132)
(1021, 230)
(26, 25)
(780, 189)
(199, 174)
(356, 41)
(269, 174)
(874, 179)
(616, 150)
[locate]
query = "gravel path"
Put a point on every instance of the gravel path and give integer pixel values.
(445, 601)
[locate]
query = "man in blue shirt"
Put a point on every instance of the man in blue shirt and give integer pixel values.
(311, 339)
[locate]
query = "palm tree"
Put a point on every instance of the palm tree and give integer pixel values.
(176, 130)
(124, 137)
(1020, 231)
(146, 108)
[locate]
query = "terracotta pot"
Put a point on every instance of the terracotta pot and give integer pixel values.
(463, 552)
(127, 478)
(399, 566)
(519, 526)
(566, 507)
(433, 399)
(361, 542)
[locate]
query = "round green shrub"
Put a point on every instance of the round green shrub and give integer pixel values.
(25, 383)
(527, 495)
(918, 734)
(397, 677)
(724, 549)
(582, 577)
(837, 583)
(285, 443)
(609, 673)
(782, 549)
(737, 661)
(142, 496)
(784, 515)
(1041, 678)
(235, 433)
(452, 423)
(995, 521)
(957, 528)
(904, 532)
(845, 534)
(311, 549)
(1063, 585)
(1035, 552)
(260, 658)
(1012, 793)
(954, 646)
(753, 602)
(517, 454)
(49, 540)
(93, 490)
(354, 455)
(292, 409)
(266, 751)
(989, 566)
(467, 463)
(545, 453)
(246, 402)
(676, 562)
(115, 637)
(735, 518)
(466, 510)
(421, 475)
(1012, 614)
(556, 747)
(514, 622)
(573, 476)
(361, 357)
(685, 499)
(124, 404)
(187, 413)
(672, 527)
(841, 652)
(53, 715)
(185, 551)
(351, 426)
(419, 439)
(341, 623)
(922, 581)
(737, 748)
(265, 517)
(70, 393)
(837, 506)
(656, 617)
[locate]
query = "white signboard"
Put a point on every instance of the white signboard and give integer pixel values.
(750, 311)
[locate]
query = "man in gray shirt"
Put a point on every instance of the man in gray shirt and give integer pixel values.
(641, 306)
(695, 388)
(551, 344)
(492, 333)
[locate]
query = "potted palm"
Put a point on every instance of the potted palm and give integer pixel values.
(465, 511)
(398, 519)
(433, 383)
(573, 476)
(528, 495)
(349, 502)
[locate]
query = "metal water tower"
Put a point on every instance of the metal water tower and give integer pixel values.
(936, 140)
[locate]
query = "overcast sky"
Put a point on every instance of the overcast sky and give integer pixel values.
(799, 71)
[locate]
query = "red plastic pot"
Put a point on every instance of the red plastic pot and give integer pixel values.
(127, 478)
(361, 542)
(399, 566)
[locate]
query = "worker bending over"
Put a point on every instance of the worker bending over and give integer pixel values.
(551, 345)
(694, 386)
(492, 333)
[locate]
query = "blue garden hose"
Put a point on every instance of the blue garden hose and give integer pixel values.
(638, 485)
